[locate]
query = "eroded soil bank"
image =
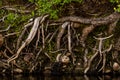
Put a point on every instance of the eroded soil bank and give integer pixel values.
(83, 40)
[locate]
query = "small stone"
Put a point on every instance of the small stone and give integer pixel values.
(116, 66)
(78, 64)
(108, 71)
(65, 59)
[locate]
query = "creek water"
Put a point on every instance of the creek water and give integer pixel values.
(48, 77)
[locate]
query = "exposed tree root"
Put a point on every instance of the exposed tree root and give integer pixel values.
(22, 34)
(6, 29)
(100, 52)
(29, 38)
(15, 10)
(90, 61)
(60, 34)
(85, 33)
(69, 39)
(93, 21)
(65, 43)
(1, 40)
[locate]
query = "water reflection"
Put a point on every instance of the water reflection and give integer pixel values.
(48, 77)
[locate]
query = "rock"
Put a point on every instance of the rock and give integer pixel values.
(65, 59)
(17, 70)
(1, 40)
(116, 66)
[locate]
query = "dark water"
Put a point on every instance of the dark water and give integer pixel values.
(47, 77)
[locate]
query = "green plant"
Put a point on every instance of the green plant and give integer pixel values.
(52, 7)
(114, 1)
(117, 8)
(11, 17)
(0, 3)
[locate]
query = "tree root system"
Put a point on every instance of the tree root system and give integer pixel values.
(62, 45)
